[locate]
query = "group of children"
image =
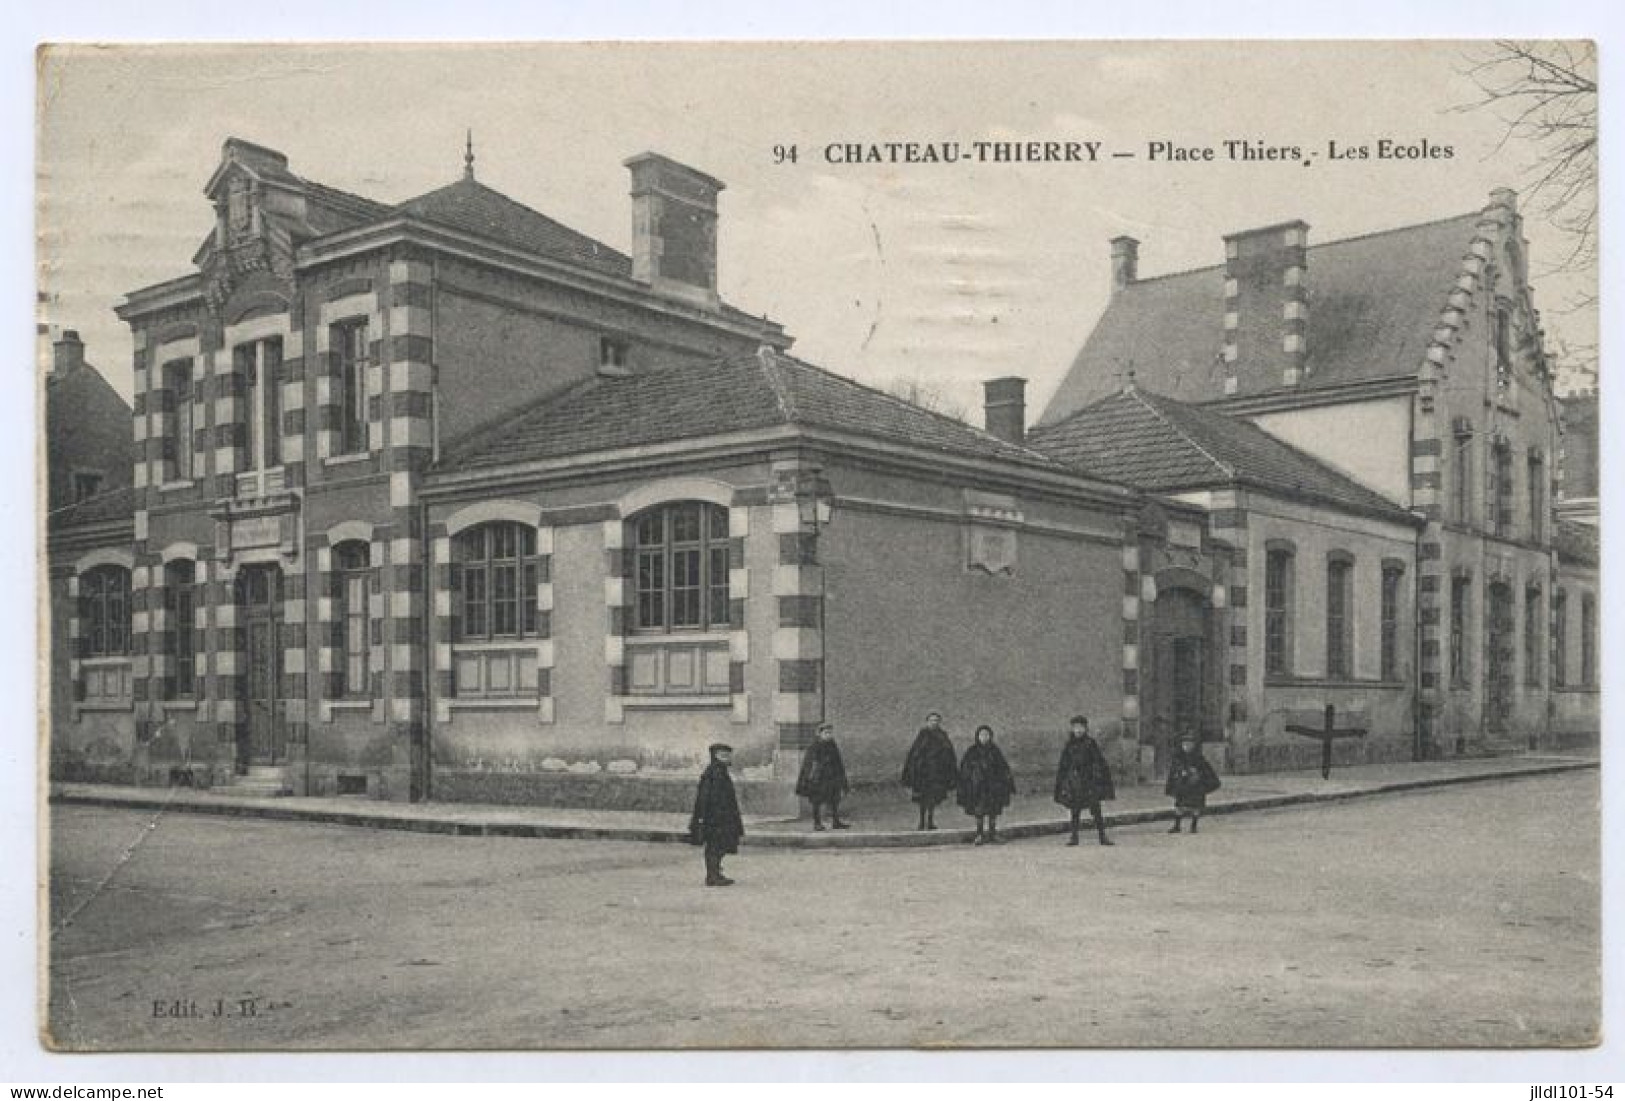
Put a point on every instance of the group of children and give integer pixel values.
(981, 779)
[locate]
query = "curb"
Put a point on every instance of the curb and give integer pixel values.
(896, 839)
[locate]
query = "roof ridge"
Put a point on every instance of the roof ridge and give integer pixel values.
(767, 362)
(1135, 393)
(1319, 245)
(466, 182)
(1308, 457)
(913, 407)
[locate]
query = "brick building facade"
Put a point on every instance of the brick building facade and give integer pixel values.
(444, 500)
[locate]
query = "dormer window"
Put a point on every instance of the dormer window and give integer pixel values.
(239, 209)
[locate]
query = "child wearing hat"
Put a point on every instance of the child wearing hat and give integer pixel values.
(1083, 779)
(931, 769)
(716, 822)
(823, 778)
(1190, 780)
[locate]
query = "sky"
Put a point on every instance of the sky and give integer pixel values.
(936, 274)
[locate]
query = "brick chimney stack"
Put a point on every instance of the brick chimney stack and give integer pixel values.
(1004, 408)
(674, 228)
(68, 353)
(1266, 305)
(1125, 262)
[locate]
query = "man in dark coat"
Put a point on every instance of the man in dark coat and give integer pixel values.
(716, 823)
(931, 769)
(823, 778)
(985, 786)
(1083, 779)
(1190, 780)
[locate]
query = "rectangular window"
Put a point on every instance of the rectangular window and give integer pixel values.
(1560, 639)
(1533, 656)
(271, 413)
(178, 381)
(180, 602)
(1588, 640)
(1391, 578)
(1278, 613)
(1537, 497)
(1461, 504)
(86, 484)
(348, 341)
(1460, 592)
(1499, 500)
(611, 353)
(260, 365)
(245, 364)
(1337, 618)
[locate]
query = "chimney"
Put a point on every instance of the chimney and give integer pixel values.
(1004, 408)
(1266, 305)
(674, 228)
(1505, 197)
(1125, 262)
(68, 353)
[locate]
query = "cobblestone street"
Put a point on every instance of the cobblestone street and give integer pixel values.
(1459, 916)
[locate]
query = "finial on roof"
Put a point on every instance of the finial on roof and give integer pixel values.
(1125, 374)
(468, 157)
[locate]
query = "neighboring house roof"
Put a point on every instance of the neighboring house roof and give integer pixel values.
(1374, 302)
(470, 206)
(1161, 445)
(718, 397)
(110, 506)
(1577, 543)
(87, 429)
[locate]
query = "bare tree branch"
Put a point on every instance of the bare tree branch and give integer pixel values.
(1545, 94)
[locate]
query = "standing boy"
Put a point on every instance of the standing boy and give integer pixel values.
(931, 770)
(823, 778)
(1083, 779)
(716, 823)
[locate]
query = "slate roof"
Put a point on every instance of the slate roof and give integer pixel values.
(470, 206)
(717, 397)
(1161, 445)
(105, 507)
(1374, 302)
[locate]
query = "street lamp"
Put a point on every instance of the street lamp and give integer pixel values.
(815, 508)
(815, 501)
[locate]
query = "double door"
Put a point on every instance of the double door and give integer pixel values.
(261, 739)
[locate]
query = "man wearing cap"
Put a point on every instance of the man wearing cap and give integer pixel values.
(716, 823)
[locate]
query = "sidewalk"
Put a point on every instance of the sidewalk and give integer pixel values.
(877, 820)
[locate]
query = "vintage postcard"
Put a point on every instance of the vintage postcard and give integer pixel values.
(819, 545)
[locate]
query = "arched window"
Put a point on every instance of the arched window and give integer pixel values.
(499, 579)
(681, 561)
(104, 596)
(181, 637)
(352, 580)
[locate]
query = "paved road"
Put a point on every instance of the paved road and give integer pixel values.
(1464, 916)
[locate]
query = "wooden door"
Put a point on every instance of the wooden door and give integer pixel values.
(259, 595)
